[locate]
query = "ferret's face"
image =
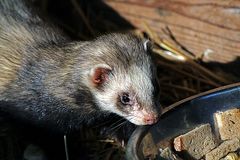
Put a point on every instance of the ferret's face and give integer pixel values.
(127, 85)
(132, 94)
(137, 97)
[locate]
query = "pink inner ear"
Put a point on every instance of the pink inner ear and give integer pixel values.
(100, 76)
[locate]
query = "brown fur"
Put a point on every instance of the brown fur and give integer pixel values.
(11, 45)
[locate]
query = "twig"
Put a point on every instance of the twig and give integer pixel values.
(169, 55)
(82, 15)
(168, 46)
(179, 87)
(107, 141)
(188, 74)
(65, 147)
(169, 32)
(70, 29)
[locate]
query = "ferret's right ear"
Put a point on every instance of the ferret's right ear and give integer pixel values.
(100, 74)
(146, 44)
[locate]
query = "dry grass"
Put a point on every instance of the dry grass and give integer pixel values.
(180, 74)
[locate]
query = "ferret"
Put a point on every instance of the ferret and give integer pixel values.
(49, 80)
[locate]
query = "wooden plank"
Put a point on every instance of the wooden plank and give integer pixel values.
(200, 26)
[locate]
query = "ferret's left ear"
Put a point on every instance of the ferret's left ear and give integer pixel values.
(100, 74)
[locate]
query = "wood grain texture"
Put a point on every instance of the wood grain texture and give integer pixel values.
(199, 26)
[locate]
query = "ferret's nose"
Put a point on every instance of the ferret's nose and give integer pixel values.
(150, 119)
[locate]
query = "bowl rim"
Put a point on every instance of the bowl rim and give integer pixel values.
(132, 149)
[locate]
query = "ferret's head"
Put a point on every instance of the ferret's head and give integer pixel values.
(122, 78)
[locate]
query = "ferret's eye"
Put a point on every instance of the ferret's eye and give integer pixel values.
(125, 99)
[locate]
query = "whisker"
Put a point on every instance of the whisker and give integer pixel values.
(114, 129)
(121, 119)
(105, 122)
(118, 124)
(135, 116)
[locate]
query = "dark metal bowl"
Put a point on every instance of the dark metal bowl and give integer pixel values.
(183, 116)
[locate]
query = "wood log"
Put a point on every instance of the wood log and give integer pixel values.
(209, 28)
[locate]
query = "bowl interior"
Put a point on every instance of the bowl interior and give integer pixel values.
(185, 116)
